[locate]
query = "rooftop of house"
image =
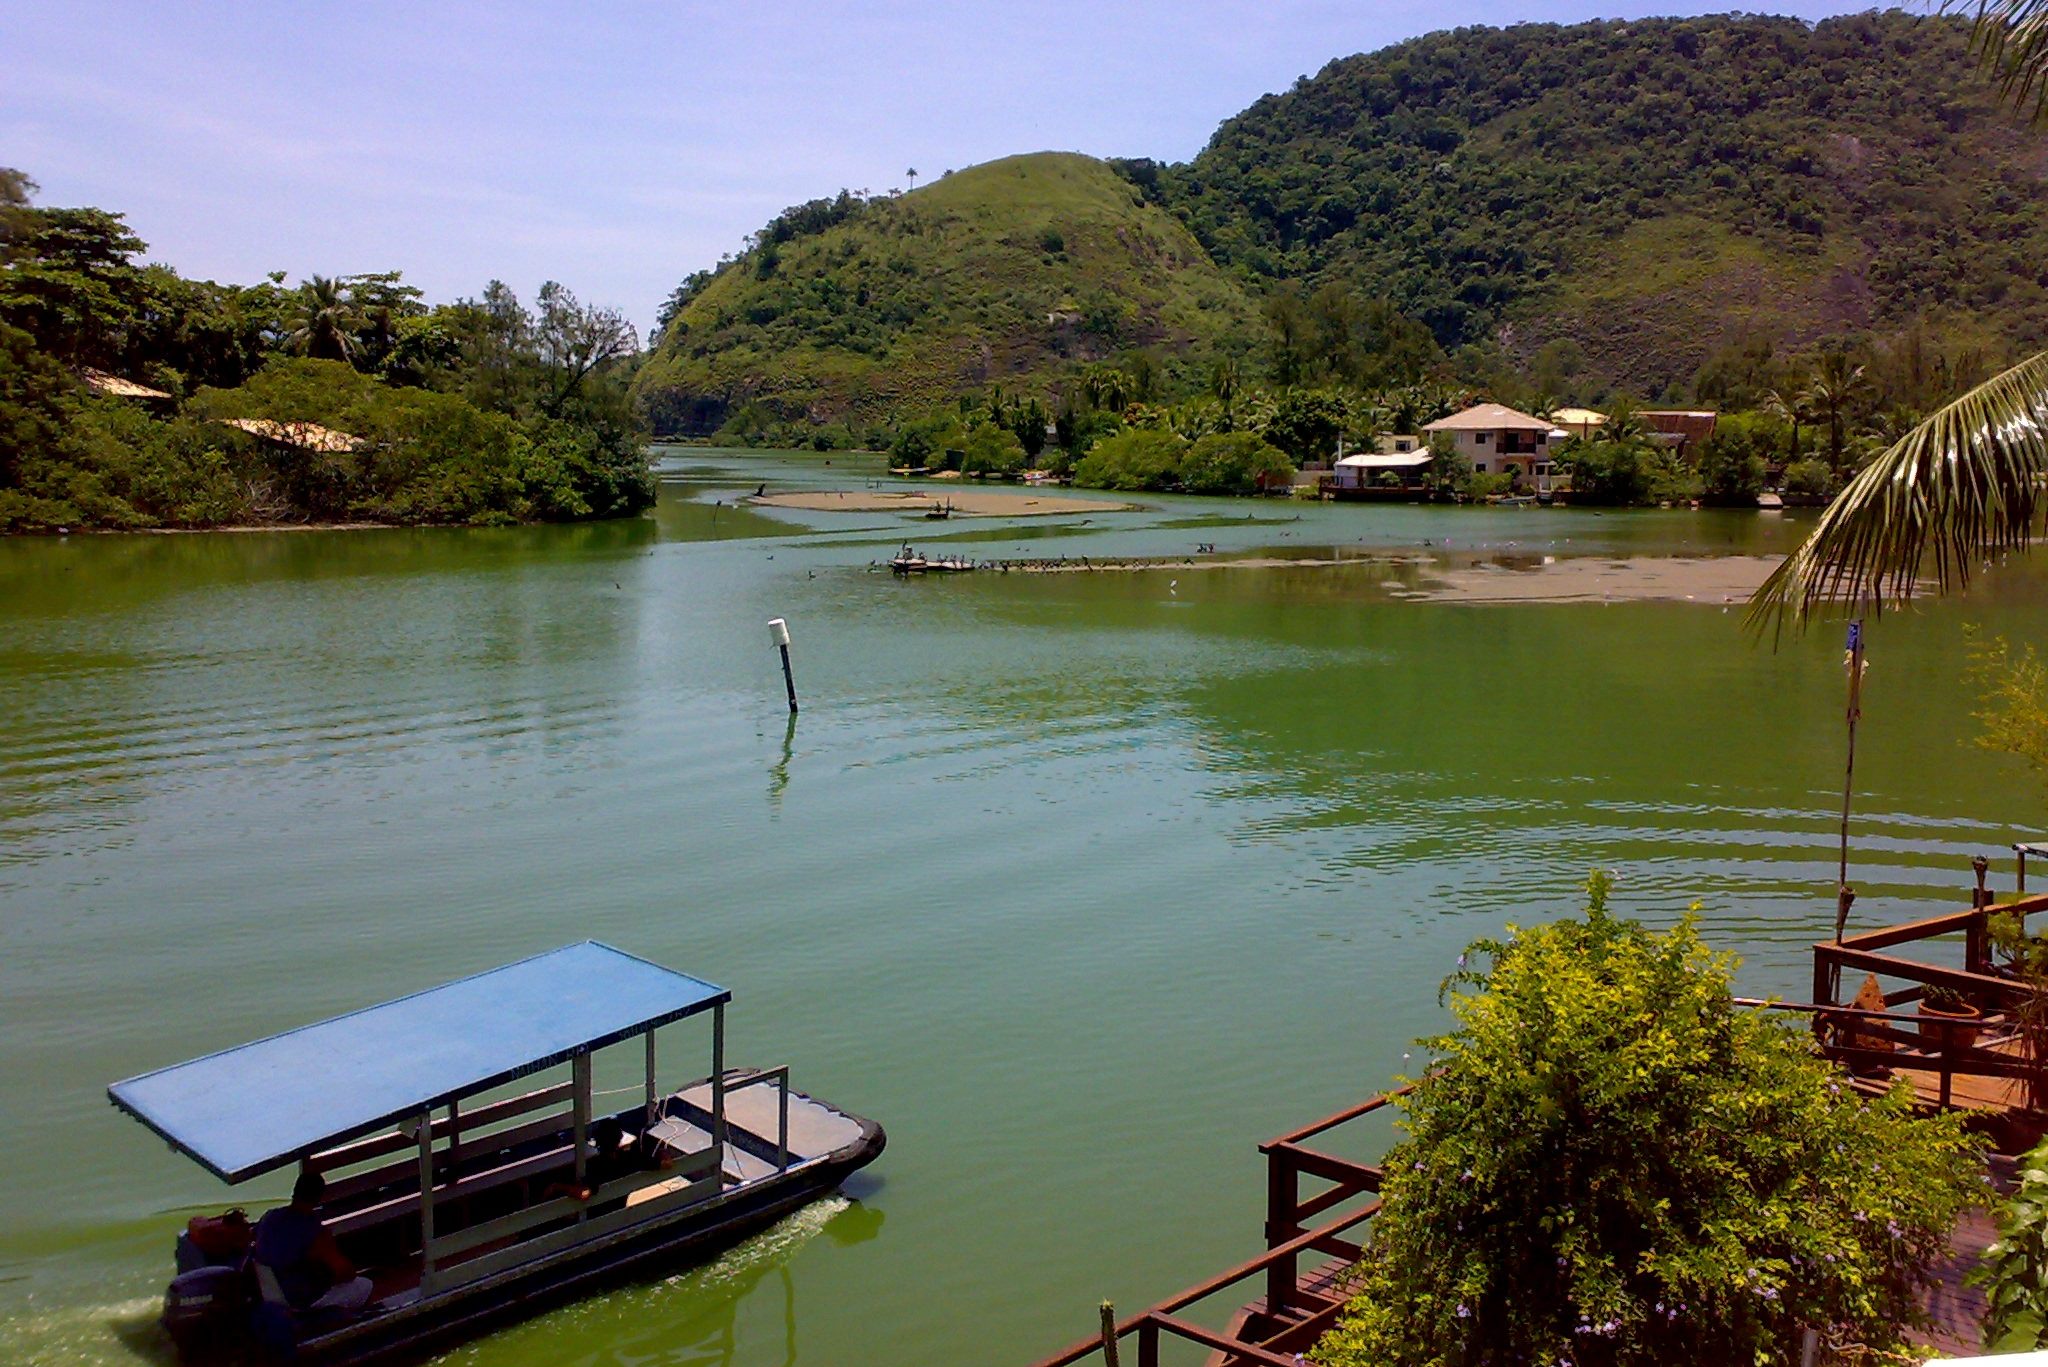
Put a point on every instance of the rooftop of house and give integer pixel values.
(1686, 424)
(1488, 417)
(114, 387)
(307, 436)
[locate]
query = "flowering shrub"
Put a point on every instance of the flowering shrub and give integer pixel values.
(1614, 1164)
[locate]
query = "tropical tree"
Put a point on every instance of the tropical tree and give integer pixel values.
(1835, 394)
(323, 321)
(1789, 406)
(1965, 485)
(574, 339)
(1610, 1163)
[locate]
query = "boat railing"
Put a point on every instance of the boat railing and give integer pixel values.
(1296, 1310)
(463, 1134)
(779, 1075)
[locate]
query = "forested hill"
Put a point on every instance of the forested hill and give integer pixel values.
(1643, 189)
(1600, 206)
(999, 274)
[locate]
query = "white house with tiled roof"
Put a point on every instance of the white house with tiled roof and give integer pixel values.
(1497, 439)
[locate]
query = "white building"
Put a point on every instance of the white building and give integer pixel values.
(1497, 440)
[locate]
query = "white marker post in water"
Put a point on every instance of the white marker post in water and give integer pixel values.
(778, 632)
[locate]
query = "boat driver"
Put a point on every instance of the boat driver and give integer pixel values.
(300, 1253)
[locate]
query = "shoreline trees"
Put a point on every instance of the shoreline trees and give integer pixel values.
(476, 412)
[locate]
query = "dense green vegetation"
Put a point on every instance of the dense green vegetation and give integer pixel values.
(1634, 196)
(1612, 1163)
(479, 411)
(1827, 229)
(1017, 270)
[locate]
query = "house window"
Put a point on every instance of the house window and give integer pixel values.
(1478, 467)
(1402, 444)
(1481, 438)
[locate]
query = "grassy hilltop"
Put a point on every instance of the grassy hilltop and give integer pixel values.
(1004, 273)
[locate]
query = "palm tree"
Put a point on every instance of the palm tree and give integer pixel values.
(323, 320)
(912, 173)
(2010, 37)
(1624, 426)
(1966, 483)
(1790, 407)
(1835, 392)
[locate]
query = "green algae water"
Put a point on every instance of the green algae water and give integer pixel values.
(1081, 884)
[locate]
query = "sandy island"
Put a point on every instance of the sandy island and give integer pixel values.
(1599, 579)
(965, 502)
(1566, 579)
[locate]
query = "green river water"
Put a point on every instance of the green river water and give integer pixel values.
(1081, 884)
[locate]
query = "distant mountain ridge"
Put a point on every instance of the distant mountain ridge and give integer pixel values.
(1615, 201)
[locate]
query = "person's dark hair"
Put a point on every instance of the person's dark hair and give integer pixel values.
(606, 1134)
(308, 1190)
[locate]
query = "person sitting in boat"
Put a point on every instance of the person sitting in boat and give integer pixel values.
(610, 1159)
(299, 1254)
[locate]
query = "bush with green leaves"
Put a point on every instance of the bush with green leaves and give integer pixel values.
(1133, 460)
(991, 449)
(1305, 424)
(2014, 1273)
(1734, 461)
(1234, 463)
(1809, 477)
(1611, 1163)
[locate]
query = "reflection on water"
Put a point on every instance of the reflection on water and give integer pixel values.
(778, 773)
(1070, 860)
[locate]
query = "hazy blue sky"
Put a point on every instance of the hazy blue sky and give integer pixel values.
(615, 147)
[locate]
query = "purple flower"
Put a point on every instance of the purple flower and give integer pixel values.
(1464, 1312)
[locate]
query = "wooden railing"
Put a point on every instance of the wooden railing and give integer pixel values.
(1868, 1039)
(1293, 1316)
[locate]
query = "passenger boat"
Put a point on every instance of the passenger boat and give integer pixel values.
(465, 1201)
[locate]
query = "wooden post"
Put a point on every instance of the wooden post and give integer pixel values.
(653, 1103)
(579, 1073)
(454, 1154)
(1109, 1333)
(1283, 1198)
(1845, 895)
(426, 1197)
(718, 1092)
(1148, 1342)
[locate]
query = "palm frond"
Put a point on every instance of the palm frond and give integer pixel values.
(1968, 482)
(2010, 37)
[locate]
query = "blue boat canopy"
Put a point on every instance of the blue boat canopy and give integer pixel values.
(248, 1110)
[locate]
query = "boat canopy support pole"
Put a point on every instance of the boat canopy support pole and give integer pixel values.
(426, 1123)
(653, 1113)
(579, 1072)
(718, 1089)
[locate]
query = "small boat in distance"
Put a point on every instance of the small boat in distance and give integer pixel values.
(939, 512)
(462, 1202)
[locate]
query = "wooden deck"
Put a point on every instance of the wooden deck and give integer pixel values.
(1955, 1312)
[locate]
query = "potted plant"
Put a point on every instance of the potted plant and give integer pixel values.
(1951, 1019)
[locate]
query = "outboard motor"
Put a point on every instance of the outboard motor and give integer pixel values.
(206, 1311)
